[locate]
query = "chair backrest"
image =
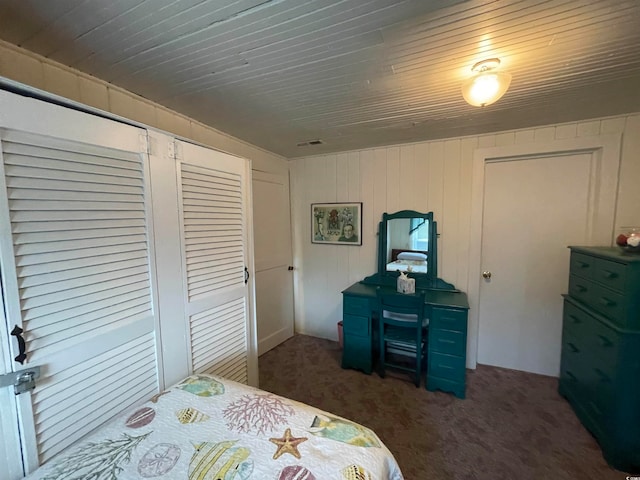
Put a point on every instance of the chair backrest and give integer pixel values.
(401, 309)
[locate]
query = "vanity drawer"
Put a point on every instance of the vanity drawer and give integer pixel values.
(451, 367)
(582, 265)
(610, 274)
(356, 325)
(356, 306)
(448, 319)
(447, 341)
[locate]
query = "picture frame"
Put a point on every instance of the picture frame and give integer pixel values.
(336, 223)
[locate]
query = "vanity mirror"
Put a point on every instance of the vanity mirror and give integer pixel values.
(407, 242)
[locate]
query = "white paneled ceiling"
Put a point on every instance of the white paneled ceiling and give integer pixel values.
(352, 73)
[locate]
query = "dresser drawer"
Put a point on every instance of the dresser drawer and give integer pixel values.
(609, 303)
(610, 274)
(575, 322)
(356, 325)
(604, 344)
(446, 366)
(356, 305)
(448, 319)
(582, 265)
(447, 341)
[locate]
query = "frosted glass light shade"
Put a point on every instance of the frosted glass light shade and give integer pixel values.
(485, 88)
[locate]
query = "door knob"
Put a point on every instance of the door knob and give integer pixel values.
(486, 275)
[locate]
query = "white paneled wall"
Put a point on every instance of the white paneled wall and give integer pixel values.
(430, 176)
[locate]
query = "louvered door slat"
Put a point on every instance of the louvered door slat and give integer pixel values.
(76, 286)
(35, 172)
(80, 249)
(75, 297)
(22, 140)
(64, 323)
(46, 316)
(69, 186)
(36, 271)
(69, 273)
(80, 254)
(72, 163)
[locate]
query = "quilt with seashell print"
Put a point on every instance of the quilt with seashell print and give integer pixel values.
(210, 428)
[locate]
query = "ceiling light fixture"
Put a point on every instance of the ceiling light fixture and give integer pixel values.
(486, 86)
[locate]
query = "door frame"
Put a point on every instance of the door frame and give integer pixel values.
(603, 148)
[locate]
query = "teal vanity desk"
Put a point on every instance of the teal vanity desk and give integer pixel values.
(446, 307)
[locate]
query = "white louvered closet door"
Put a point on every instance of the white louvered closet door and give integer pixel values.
(76, 268)
(216, 239)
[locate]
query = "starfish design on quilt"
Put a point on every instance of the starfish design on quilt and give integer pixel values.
(287, 444)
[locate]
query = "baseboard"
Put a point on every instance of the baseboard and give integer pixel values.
(273, 340)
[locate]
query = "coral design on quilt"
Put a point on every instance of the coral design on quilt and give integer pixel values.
(257, 413)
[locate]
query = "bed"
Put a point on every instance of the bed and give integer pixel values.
(210, 428)
(407, 261)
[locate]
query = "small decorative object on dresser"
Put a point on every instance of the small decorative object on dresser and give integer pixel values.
(629, 239)
(600, 363)
(405, 284)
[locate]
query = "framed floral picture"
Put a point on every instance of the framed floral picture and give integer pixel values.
(336, 223)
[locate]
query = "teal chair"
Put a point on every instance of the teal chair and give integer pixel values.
(402, 328)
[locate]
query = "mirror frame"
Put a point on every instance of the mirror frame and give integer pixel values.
(432, 255)
(427, 280)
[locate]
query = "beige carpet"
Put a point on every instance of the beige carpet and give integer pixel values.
(512, 425)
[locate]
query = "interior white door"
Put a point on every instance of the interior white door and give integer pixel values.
(533, 209)
(217, 245)
(274, 280)
(76, 268)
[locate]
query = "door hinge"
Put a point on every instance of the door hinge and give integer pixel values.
(22, 380)
(171, 149)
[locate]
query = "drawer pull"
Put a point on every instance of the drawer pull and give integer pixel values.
(606, 302)
(582, 264)
(573, 348)
(581, 288)
(571, 375)
(575, 319)
(595, 408)
(604, 341)
(445, 340)
(608, 274)
(603, 376)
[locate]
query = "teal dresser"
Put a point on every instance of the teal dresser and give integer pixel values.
(600, 363)
(447, 344)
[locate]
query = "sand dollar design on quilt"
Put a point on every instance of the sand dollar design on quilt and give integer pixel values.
(296, 472)
(223, 460)
(342, 430)
(258, 413)
(158, 460)
(191, 415)
(355, 472)
(141, 417)
(202, 386)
